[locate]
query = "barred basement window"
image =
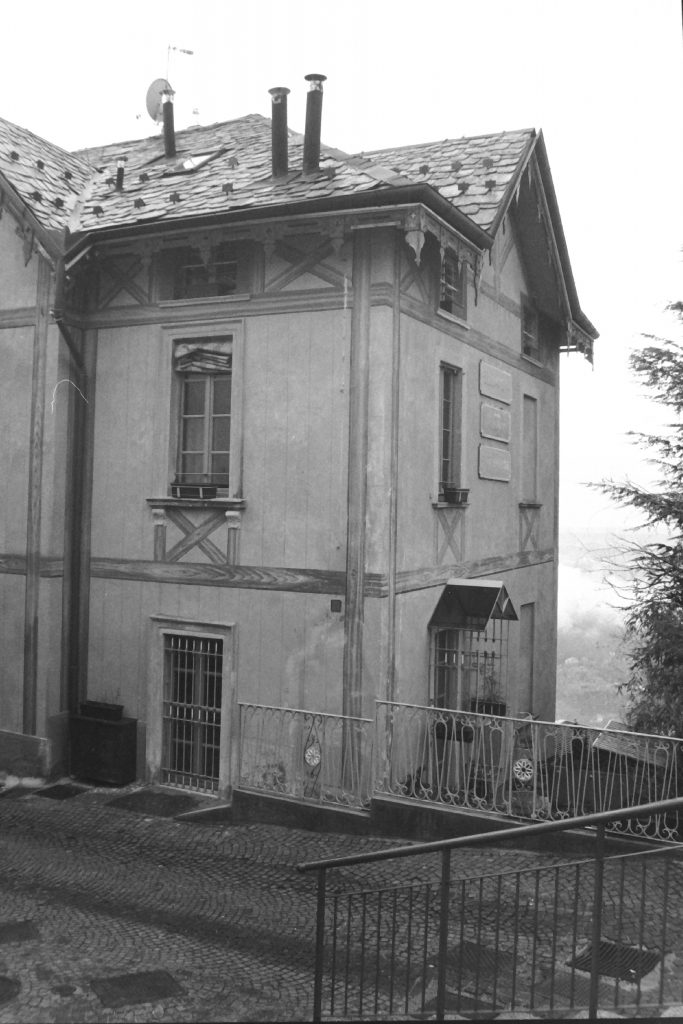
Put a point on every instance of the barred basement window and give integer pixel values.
(193, 671)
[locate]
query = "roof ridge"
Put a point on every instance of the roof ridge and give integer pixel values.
(441, 142)
(178, 131)
(40, 139)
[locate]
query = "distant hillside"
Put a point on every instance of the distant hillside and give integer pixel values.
(591, 657)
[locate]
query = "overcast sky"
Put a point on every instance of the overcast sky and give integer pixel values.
(602, 78)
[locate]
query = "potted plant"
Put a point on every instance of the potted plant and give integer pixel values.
(455, 495)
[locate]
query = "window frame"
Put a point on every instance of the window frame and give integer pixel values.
(448, 305)
(450, 452)
(534, 350)
(174, 260)
(188, 333)
(160, 626)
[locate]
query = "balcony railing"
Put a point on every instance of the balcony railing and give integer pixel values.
(305, 755)
(525, 768)
(602, 935)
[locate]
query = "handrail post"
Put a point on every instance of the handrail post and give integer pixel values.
(597, 921)
(443, 932)
(319, 947)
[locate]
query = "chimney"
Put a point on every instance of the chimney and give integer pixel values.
(314, 109)
(169, 130)
(279, 131)
(120, 170)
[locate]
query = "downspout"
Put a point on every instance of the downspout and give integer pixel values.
(58, 315)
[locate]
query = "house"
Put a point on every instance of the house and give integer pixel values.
(280, 432)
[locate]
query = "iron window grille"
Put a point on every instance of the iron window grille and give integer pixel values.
(193, 678)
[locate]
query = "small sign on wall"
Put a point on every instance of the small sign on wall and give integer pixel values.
(495, 422)
(494, 463)
(495, 383)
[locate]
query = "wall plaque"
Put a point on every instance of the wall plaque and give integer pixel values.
(495, 422)
(494, 463)
(495, 383)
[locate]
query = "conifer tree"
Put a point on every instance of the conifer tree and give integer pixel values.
(654, 584)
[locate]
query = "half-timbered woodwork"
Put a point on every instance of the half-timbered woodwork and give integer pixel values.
(257, 427)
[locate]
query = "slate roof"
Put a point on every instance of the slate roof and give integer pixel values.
(48, 179)
(76, 190)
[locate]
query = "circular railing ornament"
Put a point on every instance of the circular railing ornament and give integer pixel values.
(313, 755)
(523, 769)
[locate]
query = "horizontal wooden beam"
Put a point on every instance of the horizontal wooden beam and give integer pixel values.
(303, 581)
(24, 316)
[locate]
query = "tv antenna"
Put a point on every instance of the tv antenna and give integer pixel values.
(176, 49)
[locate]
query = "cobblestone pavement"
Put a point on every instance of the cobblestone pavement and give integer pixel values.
(90, 892)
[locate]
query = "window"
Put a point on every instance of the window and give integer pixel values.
(530, 449)
(203, 368)
(192, 699)
(192, 273)
(531, 339)
(453, 297)
(450, 433)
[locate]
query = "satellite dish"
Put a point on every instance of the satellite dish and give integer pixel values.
(154, 98)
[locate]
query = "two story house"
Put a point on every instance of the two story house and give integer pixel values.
(280, 431)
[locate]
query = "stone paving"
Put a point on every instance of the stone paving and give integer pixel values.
(214, 918)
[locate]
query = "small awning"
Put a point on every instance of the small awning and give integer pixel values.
(470, 604)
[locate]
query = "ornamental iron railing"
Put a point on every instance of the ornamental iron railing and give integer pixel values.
(602, 934)
(525, 768)
(305, 755)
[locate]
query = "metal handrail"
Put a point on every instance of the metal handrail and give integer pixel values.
(444, 846)
(483, 838)
(303, 711)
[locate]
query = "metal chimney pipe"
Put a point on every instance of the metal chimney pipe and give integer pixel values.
(279, 131)
(169, 130)
(120, 170)
(314, 110)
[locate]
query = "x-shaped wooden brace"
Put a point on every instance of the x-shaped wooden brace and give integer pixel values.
(528, 529)
(123, 279)
(305, 263)
(450, 522)
(196, 536)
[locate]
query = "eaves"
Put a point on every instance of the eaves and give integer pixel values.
(384, 199)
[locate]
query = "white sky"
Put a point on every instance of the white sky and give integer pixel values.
(602, 78)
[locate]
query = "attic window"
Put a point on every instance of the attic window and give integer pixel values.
(216, 270)
(453, 296)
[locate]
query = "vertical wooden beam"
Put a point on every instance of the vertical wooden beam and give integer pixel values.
(34, 504)
(82, 540)
(357, 476)
(76, 584)
(393, 469)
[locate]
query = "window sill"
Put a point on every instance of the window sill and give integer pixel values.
(215, 503)
(206, 299)
(451, 504)
(452, 318)
(532, 359)
(531, 504)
